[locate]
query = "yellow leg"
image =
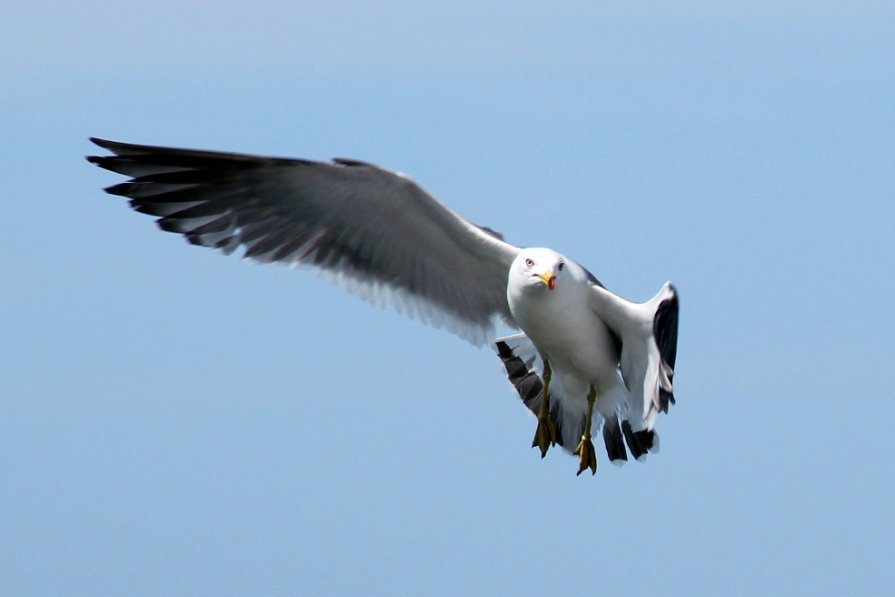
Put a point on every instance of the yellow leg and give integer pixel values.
(585, 449)
(545, 434)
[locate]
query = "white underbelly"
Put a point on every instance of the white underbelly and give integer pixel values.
(576, 346)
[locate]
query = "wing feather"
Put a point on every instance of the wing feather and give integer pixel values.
(375, 231)
(648, 339)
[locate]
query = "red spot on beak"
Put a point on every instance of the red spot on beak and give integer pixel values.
(551, 284)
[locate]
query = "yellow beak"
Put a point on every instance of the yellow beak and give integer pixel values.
(548, 279)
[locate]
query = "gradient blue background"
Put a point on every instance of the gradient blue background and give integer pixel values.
(177, 422)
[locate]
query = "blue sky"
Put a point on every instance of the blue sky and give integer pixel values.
(177, 422)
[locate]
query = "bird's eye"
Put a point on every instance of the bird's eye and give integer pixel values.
(529, 263)
(560, 266)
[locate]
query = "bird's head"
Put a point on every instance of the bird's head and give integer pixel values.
(539, 268)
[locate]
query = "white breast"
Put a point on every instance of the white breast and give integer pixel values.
(564, 328)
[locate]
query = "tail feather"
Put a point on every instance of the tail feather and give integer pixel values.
(615, 445)
(640, 442)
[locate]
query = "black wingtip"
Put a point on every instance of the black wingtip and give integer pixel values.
(121, 189)
(665, 324)
(527, 383)
(665, 327)
(98, 159)
(104, 143)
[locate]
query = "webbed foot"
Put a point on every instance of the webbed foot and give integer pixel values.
(587, 455)
(585, 449)
(545, 435)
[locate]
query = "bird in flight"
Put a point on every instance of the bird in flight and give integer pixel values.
(584, 359)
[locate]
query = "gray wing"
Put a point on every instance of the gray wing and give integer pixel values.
(375, 231)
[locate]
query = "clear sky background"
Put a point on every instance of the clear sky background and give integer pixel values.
(176, 422)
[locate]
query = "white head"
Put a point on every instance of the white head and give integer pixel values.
(538, 270)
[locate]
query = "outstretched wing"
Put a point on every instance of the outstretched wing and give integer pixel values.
(648, 335)
(375, 231)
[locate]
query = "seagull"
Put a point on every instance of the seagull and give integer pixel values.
(583, 358)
